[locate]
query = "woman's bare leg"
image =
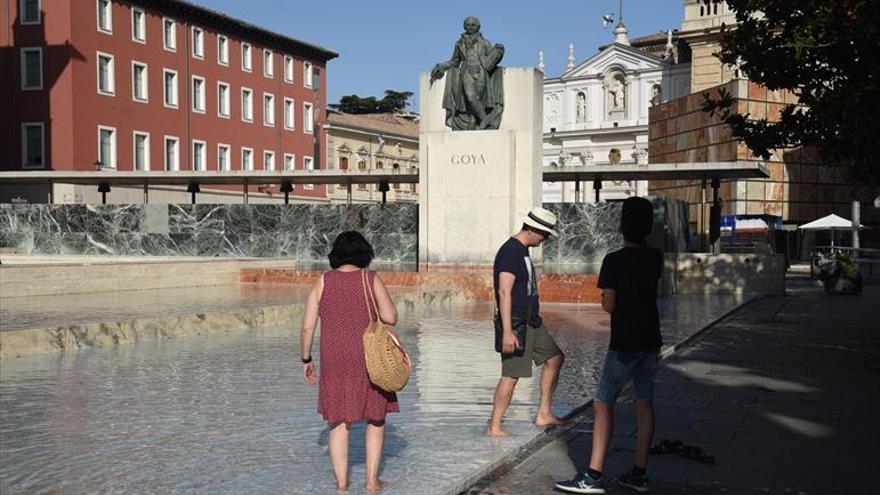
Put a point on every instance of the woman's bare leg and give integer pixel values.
(339, 453)
(375, 439)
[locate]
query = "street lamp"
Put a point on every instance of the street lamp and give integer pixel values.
(103, 188)
(286, 188)
(193, 188)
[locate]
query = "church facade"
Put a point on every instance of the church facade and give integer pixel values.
(596, 112)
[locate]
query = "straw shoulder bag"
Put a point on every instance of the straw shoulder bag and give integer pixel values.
(388, 364)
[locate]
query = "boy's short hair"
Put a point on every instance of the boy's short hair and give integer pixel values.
(636, 219)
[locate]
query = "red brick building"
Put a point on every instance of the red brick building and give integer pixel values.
(155, 85)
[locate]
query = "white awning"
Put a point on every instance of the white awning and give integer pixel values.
(830, 222)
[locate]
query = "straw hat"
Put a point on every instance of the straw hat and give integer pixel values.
(543, 220)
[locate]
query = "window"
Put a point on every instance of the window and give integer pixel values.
(139, 82)
(246, 63)
(316, 79)
(268, 109)
(107, 146)
(268, 65)
(288, 113)
(138, 26)
(289, 161)
(105, 16)
(308, 123)
(198, 42)
(31, 68)
(222, 50)
(106, 74)
(247, 159)
(308, 164)
(170, 88)
(343, 163)
(172, 157)
(198, 158)
(198, 94)
(307, 74)
(268, 160)
(247, 105)
(223, 99)
(29, 10)
(222, 157)
(169, 35)
(141, 150)
(288, 68)
(32, 148)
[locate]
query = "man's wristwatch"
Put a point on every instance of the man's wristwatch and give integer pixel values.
(307, 360)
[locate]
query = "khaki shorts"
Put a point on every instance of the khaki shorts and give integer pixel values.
(539, 347)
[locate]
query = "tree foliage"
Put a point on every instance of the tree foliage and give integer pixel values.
(826, 53)
(392, 102)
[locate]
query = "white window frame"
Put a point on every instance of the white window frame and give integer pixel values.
(268, 160)
(201, 33)
(307, 74)
(102, 29)
(134, 136)
(289, 114)
(175, 103)
(111, 74)
(289, 68)
(143, 25)
(192, 164)
(308, 118)
(269, 69)
(245, 166)
(292, 159)
(24, 163)
(172, 167)
(146, 98)
(249, 66)
(306, 168)
(250, 117)
(221, 102)
(271, 113)
(223, 50)
(22, 10)
(23, 57)
(203, 97)
(228, 154)
(112, 146)
(169, 44)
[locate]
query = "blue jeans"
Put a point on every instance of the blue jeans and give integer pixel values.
(621, 367)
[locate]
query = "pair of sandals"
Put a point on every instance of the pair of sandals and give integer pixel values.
(687, 451)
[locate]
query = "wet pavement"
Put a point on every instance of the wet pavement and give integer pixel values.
(231, 414)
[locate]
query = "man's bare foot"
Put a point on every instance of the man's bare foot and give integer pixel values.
(543, 421)
(496, 432)
(376, 486)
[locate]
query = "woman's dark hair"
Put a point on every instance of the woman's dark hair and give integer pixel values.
(636, 219)
(350, 248)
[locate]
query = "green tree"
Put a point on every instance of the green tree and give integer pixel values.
(824, 51)
(392, 102)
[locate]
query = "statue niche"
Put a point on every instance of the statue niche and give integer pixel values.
(615, 94)
(581, 108)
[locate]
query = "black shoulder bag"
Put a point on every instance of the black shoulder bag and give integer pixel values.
(519, 326)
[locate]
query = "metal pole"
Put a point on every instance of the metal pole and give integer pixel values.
(703, 217)
(146, 192)
(577, 190)
(597, 186)
(245, 191)
(349, 192)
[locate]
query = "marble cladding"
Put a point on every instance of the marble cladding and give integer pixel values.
(304, 232)
(589, 231)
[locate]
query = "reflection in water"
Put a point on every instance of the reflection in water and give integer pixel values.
(231, 413)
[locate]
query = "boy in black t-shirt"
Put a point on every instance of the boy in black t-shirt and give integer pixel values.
(628, 280)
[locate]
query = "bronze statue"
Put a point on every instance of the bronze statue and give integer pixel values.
(474, 95)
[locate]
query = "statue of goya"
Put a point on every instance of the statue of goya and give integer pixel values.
(474, 95)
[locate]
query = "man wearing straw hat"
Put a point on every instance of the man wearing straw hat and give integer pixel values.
(519, 336)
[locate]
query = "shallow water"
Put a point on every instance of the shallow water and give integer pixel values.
(231, 413)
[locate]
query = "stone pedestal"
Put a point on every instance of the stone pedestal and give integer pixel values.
(476, 186)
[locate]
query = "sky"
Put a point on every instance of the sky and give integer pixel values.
(384, 44)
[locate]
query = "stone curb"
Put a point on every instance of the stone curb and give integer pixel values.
(507, 463)
(20, 343)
